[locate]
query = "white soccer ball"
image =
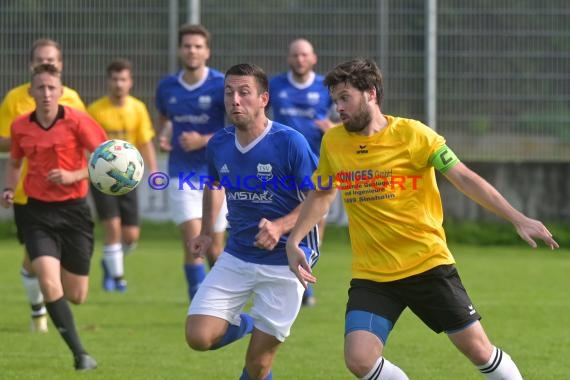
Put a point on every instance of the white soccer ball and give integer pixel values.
(116, 167)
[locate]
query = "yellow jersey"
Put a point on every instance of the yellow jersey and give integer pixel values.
(130, 122)
(18, 102)
(391, 197)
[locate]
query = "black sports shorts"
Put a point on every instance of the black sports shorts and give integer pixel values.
(63, 230)
(19, 220)
(125, 206)
(436, 296)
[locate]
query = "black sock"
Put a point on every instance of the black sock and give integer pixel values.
(60, 314)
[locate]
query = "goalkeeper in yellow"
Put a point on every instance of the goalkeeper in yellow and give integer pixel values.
(385, 167)
(16, 103)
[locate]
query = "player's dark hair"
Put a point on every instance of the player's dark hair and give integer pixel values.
(361, 73)
(118, 65)
(43, 42)
(251, 70)
(200, 30)
(46, 68)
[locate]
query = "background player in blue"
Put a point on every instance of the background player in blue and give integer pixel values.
(191, 108)
(262, 165)
(300, 100)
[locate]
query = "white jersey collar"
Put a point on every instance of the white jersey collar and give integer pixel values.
(192, 87)
(301, 86)
(251, 145)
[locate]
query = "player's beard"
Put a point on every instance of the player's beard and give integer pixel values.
(246, 121)
(118, 93)
(242, 126)
(241, 123)
(191, 67)
(360, 120)
(300, 72)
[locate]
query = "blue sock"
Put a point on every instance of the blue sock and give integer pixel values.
(234, 332)
(195, 274)
(308, 291)
(245, 376)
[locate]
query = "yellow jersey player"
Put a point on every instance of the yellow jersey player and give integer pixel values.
(126, 118)
(385, 167)
(17, 102)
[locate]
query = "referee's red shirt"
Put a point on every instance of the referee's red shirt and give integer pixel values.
(61, 145)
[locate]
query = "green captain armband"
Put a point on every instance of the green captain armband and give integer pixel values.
(443, 159)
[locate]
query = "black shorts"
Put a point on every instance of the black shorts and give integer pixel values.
(436, 296)
(19, 220)
(124, 206)
(63, 230)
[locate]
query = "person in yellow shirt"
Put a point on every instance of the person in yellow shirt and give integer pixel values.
(385, 167)
(17, 102)
(126, 118)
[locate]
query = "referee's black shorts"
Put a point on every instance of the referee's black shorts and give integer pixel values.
(125, 206)
(436, 296)
(63, 230)
(19, 220)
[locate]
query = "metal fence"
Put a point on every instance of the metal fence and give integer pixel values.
(504, 78)
(503, 66)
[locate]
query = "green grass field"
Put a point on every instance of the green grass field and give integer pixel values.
(522, 294)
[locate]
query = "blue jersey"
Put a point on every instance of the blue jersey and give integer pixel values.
(298, 106)
(265, 179)
(197, 108)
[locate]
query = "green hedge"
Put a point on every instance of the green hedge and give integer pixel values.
(457, 232)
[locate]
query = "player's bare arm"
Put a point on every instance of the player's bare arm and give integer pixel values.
(482, 192)
(193, 140)
(271, 231)
(12, 176)
(67, 177)
(149, 156)
(164, 134)
(211, 204)
(313, 208)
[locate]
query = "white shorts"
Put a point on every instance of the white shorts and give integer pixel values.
(186, 205)
(276, 293)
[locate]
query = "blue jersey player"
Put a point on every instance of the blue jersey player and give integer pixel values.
(264, 167)
(191, 108)
(300, 100)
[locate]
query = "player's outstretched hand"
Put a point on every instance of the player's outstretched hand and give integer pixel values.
(199, 245)
(299, 265)
(530, 229)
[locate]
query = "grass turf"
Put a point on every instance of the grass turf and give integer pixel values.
(521, 293)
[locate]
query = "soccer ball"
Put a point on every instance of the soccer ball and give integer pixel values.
(115, 167)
